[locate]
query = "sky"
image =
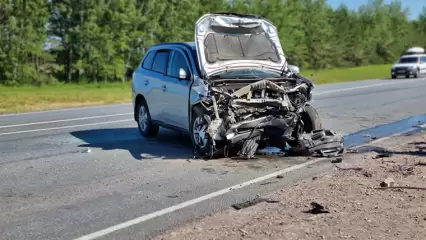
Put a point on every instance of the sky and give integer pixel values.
(414, 6)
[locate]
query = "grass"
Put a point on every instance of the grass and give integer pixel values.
(337, 75)
(32, 98)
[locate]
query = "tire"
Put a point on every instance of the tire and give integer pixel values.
(200, 118)
(393, 76)
(416, 75)
(311, 119)
(146, 128)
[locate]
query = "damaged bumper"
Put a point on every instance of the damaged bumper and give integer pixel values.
(265, 113)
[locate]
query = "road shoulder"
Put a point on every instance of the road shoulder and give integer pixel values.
(357, 207)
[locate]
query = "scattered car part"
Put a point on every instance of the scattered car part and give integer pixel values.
(317, 209)
(246, 204)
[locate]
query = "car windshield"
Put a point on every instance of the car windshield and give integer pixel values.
(408, 60)
(247, 73)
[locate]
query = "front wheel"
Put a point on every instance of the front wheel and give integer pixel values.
(201, 140)
(416, 75)
(311, 119)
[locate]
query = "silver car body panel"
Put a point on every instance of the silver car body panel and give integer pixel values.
(172, 106)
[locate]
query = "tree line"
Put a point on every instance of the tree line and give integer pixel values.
(45, 41)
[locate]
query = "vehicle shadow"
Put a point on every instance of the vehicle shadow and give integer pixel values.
(166, 145)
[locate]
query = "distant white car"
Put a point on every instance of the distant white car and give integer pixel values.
(411, 63)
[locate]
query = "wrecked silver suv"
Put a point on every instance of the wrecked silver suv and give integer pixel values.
(231, 91)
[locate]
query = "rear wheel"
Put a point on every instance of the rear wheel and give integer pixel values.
(145, 126)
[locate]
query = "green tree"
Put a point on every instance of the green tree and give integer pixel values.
(22, 39)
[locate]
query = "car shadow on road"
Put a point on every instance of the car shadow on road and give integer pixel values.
(166, 145)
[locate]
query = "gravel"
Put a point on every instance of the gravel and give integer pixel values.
(356, 204)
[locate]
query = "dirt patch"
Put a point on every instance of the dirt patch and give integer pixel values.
(347, 203)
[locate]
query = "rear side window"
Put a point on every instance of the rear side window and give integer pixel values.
(147, 62)
(160, 62)
(423, 59)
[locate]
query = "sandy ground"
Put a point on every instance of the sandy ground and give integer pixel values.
(358, 207)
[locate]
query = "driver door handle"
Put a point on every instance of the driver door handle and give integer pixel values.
(164, 88)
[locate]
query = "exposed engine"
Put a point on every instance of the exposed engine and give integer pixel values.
(263, 113)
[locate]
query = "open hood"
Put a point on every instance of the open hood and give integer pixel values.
(233, 41)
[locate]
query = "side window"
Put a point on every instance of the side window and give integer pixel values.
(423, 59)
(147, 62)
(160, 61)
(178, 61)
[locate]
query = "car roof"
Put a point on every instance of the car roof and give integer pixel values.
(188, 45)
(413, 55)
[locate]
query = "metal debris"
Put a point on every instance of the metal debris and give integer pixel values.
(267, 183)
(265, 113)
(253, 202)
(367, 174)
(317, 209)
(88, 150)
(337, 160)
(384, 155)
(388, 182)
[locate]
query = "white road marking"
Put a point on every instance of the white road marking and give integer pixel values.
(72, 126)
(147, 217)
(64, 120)
(365, 86)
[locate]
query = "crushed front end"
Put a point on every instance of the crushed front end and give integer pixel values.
(246, 116)
(254, 99)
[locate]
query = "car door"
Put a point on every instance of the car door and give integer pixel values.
(176, 112)
(156, 97)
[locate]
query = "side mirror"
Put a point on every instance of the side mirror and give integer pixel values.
(182, 74)
(294, 69)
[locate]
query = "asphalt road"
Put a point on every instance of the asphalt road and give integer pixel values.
(51, 188)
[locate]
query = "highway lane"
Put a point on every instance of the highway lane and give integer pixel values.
(52, 189)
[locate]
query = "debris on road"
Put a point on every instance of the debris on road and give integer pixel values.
(337, 160)
(384, 155)
(388, 182)
(267, 183)
(350, 168)
(317, 209)
(239, 206)
(361, 208)
(88, 150)
(367, 174)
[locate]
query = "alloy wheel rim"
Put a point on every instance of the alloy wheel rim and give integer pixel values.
(143, 118)
(199, 130)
